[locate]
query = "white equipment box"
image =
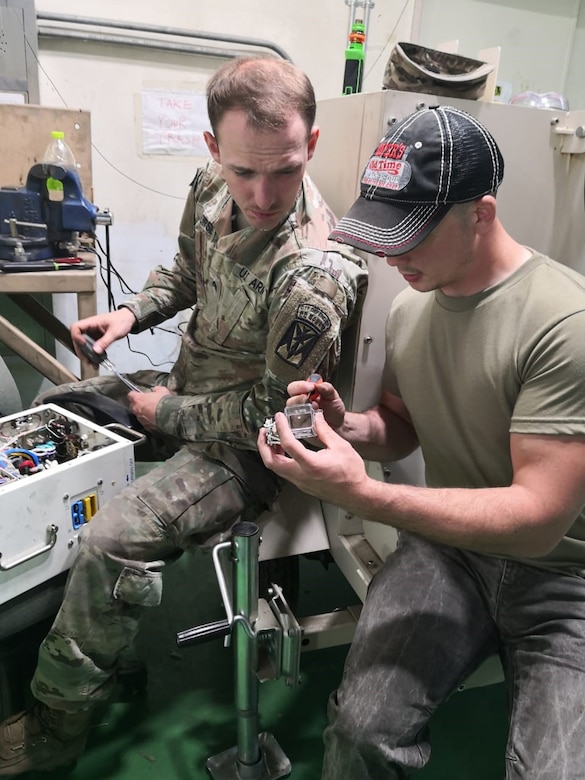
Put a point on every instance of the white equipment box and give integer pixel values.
(74, 467)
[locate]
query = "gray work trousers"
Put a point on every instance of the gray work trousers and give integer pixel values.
(431, 616)
(188, 501)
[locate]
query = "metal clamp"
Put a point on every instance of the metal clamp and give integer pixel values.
(279, 640)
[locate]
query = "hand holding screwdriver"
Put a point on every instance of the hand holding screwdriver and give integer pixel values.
(104, 328)
(326, 398)
(101, 359)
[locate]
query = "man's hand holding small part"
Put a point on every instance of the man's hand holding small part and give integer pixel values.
(336, 473)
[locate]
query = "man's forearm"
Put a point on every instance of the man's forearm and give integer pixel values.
(500, 521)
(229, 415)
(379, 434)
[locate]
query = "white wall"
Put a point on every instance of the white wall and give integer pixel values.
(575, 88)
(536, 38)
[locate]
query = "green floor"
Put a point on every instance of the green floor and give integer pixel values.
(186, 714)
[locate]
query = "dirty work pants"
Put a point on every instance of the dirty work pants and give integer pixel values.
(431, 616)
(185, 502)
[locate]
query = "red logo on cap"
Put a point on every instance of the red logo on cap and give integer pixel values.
(393, 151)
(392, 167)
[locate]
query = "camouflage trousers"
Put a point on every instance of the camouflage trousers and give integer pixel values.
(190, 500)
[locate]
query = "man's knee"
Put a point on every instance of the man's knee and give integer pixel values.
(125, 529)
(349, 724)
(41, 398)
(359, 745)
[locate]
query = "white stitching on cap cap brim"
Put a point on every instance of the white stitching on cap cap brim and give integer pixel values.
(400, 234)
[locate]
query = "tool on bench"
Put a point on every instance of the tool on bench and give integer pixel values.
(37, 230)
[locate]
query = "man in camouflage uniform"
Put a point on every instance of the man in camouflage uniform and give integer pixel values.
(272, 296)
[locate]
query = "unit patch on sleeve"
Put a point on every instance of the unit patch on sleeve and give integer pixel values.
(309, 324)
(303, 332)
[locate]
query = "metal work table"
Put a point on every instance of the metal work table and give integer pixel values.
(21, 288)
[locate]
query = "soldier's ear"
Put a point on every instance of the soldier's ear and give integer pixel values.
(484, 213)
(212, 145)
(313, 138)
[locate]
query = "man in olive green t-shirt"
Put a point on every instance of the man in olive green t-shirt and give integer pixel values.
(485, 362)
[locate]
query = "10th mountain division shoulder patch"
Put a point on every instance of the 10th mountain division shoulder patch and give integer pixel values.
(309, 324)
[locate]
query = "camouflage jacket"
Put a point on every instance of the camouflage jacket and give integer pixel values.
(269, 307)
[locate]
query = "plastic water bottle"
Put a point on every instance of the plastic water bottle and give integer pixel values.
(58, 153)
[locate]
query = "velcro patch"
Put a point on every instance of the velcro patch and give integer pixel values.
(299, 340)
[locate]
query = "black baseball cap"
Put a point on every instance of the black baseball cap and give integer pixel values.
(427, 162)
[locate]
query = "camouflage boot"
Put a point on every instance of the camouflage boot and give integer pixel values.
(41, 738)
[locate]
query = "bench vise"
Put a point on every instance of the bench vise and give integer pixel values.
(38, 223)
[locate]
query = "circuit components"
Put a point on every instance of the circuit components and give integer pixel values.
(36, 441)
(57, 471)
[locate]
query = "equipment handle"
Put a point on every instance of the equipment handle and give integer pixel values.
(204, 633)
(52, 534)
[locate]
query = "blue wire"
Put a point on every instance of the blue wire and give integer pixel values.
(28, 453)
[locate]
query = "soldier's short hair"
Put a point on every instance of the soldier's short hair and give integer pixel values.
(268, 90)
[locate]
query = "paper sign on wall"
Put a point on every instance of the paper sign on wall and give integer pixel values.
(173, 123)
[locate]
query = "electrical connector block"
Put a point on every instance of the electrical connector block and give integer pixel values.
(83, 509)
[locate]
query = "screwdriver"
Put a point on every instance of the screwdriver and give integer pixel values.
(317, 379)
(101, 359)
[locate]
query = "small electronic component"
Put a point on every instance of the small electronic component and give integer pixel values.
(301, 420)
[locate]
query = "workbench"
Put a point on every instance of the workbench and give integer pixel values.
(21, 288)
(25, 131)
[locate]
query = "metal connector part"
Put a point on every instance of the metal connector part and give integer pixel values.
(301, 420)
